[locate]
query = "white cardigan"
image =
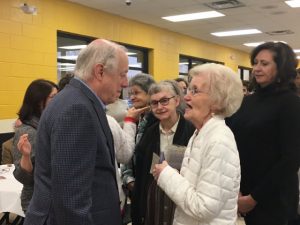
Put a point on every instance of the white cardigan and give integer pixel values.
(124, 139)
(124, 143)
(206, 190)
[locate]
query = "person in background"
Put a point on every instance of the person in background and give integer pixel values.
(296, 221)
(266, 129)
(65, 80)
(183, 84)
(297, 81)
(7, 157)
(75, 174)
(138, 93)
(150, 206)
(7, 146)
(124, 144)
(206, 189)
(37, 97)
(118, 110)
(245, 87)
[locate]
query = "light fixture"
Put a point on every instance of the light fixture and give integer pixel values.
(68, 57)
(293, 3)
(28, 9)
(193, 16)
(236, 32)
(66, 66)
(297, 50)
(73, 47)
(253, 44)
(131, 53)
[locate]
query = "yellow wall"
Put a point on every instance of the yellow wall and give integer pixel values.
(28, 44)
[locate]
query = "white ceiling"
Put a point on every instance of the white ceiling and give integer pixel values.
(265, 15)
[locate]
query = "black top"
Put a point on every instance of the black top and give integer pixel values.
(267, 132)
(149, 143)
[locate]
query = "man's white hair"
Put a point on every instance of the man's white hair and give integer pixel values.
(99, 51)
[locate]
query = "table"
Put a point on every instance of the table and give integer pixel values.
(10, 191)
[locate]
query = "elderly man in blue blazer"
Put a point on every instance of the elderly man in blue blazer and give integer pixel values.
(75, 177)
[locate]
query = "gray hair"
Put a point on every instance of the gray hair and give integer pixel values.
(225, 88)
(143, 80)
(98, 51)
(170, 86)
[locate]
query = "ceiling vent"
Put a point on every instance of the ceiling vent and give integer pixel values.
(225, 4)
(280, 32)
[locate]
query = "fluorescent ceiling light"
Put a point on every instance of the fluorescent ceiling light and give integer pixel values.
(71, 57)
(293, 3)
(253, 44)
(66, 69)
(130, 53)
(66, 64)
(236, 32)
(297, 50)
(298, 57)
(73, 47)
(135, 65)
(193, 16)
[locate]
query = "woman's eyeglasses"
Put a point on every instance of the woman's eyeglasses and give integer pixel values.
(194, 91)
(163, 102)
(134, 93)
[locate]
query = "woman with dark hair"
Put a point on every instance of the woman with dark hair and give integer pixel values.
(266, 129)
(37, 96)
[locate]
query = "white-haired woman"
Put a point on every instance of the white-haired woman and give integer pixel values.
(206, 189)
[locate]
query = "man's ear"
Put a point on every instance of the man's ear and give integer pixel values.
(98, 71)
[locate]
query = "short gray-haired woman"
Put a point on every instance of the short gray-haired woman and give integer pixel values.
(138, 93)
(150, 205)
(206, 189)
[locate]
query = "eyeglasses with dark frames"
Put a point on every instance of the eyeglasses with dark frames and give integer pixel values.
(163, 102)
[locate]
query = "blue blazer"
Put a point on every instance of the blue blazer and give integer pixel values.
(75, 177)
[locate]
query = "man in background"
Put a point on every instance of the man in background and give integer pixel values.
(75, 176)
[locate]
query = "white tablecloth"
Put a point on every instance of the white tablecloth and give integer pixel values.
(10, 191)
